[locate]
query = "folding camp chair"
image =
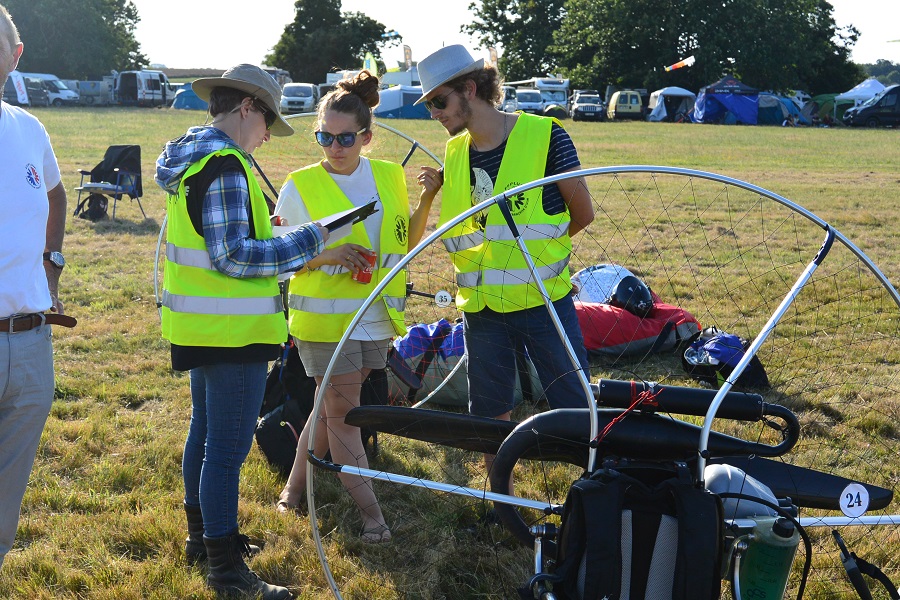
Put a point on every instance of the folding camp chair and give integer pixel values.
(119, 173)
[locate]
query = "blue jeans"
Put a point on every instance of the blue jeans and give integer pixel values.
(226, 399)
(492, 340)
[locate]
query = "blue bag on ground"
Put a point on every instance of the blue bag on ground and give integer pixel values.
(713, 356)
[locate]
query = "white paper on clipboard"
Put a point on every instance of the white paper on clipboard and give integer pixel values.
(340, 224)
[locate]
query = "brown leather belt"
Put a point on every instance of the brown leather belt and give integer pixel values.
(17, 323)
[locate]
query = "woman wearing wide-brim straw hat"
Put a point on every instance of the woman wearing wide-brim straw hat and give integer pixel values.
(221, 307)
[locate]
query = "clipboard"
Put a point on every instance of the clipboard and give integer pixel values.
(349, 217)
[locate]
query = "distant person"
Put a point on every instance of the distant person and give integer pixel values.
(789, 121)
(222, 310)
(33, 202)
(324, 298)
(492, 151)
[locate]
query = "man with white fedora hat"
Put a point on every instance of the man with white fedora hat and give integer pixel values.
(222, 310)
(492, 151)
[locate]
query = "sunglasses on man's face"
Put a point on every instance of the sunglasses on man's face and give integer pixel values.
(438, 102)
(346, 140)
(268, 115)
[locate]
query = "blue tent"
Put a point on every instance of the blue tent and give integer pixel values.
(727, 101)
(774, 109)
(397, 102)
(186, 98)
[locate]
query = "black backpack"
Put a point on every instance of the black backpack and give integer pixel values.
(92, 208)
(654, 524)
(288, 401)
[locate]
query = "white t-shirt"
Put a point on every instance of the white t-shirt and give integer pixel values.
(359, 187)
(28, 169)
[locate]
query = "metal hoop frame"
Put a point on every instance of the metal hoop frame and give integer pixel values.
(832, 235)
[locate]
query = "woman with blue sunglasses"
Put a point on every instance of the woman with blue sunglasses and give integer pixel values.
(324, 296)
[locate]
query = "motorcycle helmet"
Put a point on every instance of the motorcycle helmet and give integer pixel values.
(631, 294)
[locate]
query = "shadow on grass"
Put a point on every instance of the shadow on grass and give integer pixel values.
(118, 225)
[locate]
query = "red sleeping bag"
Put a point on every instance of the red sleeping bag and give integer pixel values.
(616, 332)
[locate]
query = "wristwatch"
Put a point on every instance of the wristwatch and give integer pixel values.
(56, 258)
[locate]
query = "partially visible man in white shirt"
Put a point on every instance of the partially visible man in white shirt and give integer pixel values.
(33, 205)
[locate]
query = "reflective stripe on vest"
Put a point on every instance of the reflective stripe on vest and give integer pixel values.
(204, 307)
(188, 257)
(506, 277)
(539, 231)
(322, 302)
(490, 268)
(222, 306)
(340, 306)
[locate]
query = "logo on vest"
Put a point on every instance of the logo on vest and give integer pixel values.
(400, 230)
(518, 202)
(32, 176)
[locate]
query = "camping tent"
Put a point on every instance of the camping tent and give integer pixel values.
(670, 102)
(859, 94)
(398, 102)
(774, 109)
(727, 101)
(186, 98)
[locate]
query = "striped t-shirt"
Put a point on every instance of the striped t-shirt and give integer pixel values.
(561, 157)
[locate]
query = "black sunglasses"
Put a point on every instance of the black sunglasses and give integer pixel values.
(268, 115)
(438, 102)
(346, 140)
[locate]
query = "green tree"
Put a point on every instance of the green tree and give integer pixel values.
(770, 44)
(321, 39)
(77, 39)
(885, 71)
(524, 28)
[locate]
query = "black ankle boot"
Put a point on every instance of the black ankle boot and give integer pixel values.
(194, 549)
(229, 574)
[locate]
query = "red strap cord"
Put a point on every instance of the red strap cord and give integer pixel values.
(646, 397)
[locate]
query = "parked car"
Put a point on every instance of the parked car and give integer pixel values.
(530, 101)
(299, 98)
(578, 93)
(883, 109)
(57, 91)
(144, 88)
(587, 107)
(625, 104)
(509, 102)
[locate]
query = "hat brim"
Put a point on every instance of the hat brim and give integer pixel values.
(204, 86)
(475, 66)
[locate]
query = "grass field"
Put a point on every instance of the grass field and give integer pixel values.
(102, 516)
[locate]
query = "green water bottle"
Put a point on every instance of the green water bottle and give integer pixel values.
(766, 564)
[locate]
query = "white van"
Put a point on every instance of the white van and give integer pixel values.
(529, 100)
(143, 88)
(58, 92)
(299, 98)
(508, 102)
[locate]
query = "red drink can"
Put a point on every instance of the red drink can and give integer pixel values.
(365, 276)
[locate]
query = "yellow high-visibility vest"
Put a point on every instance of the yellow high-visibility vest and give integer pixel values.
(321, 303)
(490, 268)
(204, 307)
